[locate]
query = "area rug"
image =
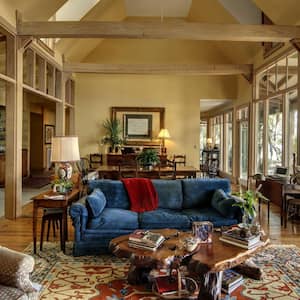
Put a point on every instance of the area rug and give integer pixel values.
(35, 182)
(65, 277)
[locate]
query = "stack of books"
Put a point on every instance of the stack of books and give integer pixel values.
(233, 237)
(231, 280)
(146, 240)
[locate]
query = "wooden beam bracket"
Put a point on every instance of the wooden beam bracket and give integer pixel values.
(296, 44)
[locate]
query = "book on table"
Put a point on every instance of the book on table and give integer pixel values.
(143, 246)
(146, 238)
(231, 280)
(233, 237)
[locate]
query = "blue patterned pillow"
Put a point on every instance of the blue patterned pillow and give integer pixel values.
(96, 202)
(223, 204)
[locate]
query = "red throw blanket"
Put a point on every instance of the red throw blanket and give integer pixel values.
(142, 194)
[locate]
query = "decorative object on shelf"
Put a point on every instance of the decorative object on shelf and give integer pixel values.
(113, 133)
(148, 158)
(247, 201)
(163, 134)
(49, 133)
(209, 143)
(64, 149)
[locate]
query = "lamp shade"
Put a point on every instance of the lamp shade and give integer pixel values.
(209, 141)
(65, 149)
(164, 134)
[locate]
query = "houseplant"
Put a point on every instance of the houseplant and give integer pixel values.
(148, 158)
(113, 132)
(247, 201)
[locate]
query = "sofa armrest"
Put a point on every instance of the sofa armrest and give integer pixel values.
(79, 215)
(15, 268)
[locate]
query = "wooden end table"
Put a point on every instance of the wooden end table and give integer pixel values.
(208, 261)
(40, 201)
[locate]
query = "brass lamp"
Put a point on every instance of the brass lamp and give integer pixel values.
(163, 134)
(64, 149)
(209, 143)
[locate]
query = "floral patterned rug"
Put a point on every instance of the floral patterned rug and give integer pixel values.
(65, 277)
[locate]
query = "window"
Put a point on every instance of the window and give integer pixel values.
(276, 95)
(259, 133)
(274, 134)
(203, 135)
(228, 143)
(217, 135)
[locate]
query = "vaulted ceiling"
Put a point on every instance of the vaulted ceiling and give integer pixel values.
(209, 11)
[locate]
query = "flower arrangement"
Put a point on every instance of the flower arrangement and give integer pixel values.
(62, 185)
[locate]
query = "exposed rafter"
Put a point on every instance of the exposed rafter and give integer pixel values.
(176, 69)
(159, 30)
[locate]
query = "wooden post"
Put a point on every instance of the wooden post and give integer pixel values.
(60, 109)
(13, 171)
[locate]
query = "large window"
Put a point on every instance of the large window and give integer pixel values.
(203, 135)
(228, 143)
(276, 114)
(217, 136)
(275, 134)
(243, 141)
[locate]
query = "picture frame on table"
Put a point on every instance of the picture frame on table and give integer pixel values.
(49, 133)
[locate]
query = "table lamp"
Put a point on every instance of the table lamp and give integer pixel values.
(64, 149)
(163, 134)
(209, 143)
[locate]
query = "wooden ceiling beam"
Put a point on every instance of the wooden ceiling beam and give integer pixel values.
(159, 30)
(156, 69)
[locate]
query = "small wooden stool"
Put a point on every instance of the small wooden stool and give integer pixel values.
(54, 216)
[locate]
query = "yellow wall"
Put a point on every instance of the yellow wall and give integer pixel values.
(95, 94)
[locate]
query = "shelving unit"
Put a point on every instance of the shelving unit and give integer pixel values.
(210, 162)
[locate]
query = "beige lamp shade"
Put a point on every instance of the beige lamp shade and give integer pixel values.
(209, 141)
(164, 134)
(65, 149)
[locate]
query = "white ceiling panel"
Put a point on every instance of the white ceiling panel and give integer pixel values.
(209, 104)
(158, 8)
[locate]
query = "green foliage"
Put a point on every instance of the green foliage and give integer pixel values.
(113, 132)
(247, 202)
(148, 157)
(64, 183)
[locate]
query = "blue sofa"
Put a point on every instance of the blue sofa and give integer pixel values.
(106, 214)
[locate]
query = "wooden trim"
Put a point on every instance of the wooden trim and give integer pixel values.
(45, 47)
(10, 29)
(159, 30)
(179, 69)
(7, 78)
(31, 89)
(278, 93)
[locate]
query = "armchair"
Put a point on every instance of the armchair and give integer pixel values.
(15, 269)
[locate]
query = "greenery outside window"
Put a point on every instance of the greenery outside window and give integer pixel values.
(259, 140)
(228, 143)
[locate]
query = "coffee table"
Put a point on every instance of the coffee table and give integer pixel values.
(208, 261)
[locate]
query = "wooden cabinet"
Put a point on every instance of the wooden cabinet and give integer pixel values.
(2, 166)
(117, 159)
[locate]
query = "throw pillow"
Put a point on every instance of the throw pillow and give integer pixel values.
(96, 202)
(223, 204)
(15, 268)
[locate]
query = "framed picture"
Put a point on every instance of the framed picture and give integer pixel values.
(49, 133)
(138, 126)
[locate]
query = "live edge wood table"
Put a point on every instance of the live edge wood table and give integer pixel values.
(40, 201)
(208, 261)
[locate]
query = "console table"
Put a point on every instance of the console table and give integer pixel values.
(115, 159)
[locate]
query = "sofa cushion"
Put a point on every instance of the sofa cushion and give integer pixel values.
(163, 218)
(223, 204)
(95, 202)
(114, 191)
(114, 218)
(208, 214)
(169, 193)
(198, 192)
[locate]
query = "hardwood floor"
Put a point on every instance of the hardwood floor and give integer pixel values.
(18, 234)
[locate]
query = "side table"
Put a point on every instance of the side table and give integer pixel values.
(41, 201)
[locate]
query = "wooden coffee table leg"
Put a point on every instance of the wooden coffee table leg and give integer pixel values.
(138, 274)
(210, 286)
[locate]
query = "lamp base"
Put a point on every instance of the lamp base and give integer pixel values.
(163, 150)
(64, 171)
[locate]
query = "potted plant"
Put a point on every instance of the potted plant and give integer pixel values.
(247, 201)
(113, 132)
(148, 158)
(62, 186)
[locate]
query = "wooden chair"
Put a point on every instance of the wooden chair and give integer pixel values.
(96, 160)
(127, 169)
(169, 174)
(179, 159)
